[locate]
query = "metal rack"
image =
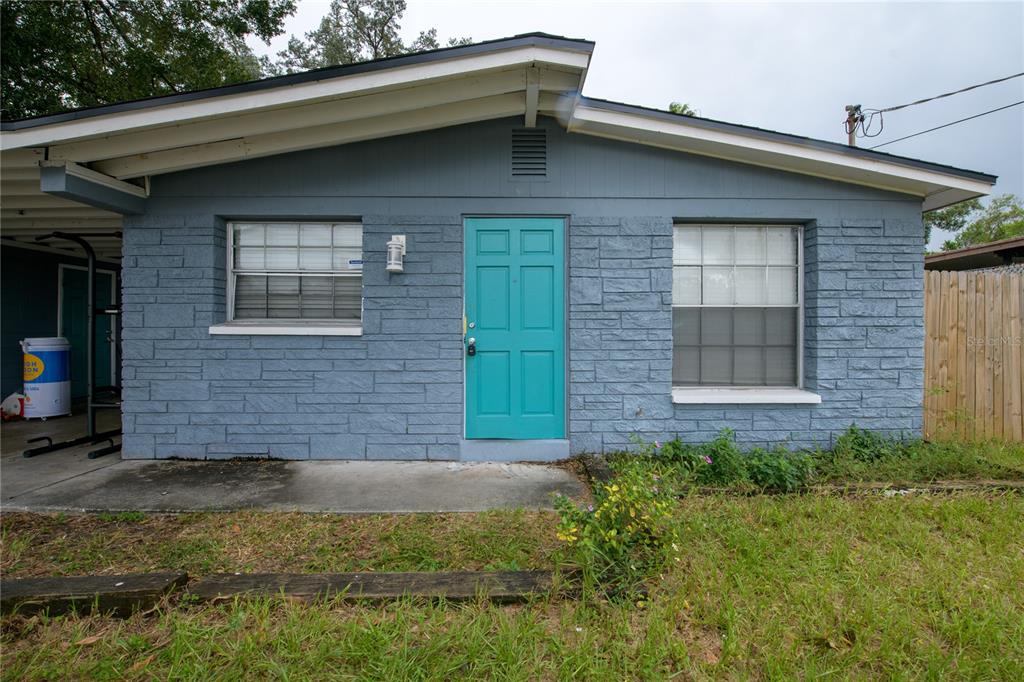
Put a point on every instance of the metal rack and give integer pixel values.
(94, 403)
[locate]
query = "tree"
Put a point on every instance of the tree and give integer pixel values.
(951, 219)
(681, 108)
(1001, 219)
(354, 31)
(78, 53)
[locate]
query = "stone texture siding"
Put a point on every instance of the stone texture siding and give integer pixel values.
(396, 392)
(863, 337)
(393, 393)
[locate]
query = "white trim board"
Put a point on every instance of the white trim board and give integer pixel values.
(941, 188)
(698, 395)
(284, 329)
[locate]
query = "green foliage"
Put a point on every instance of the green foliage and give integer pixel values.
(778, 469)
(354, 31)
(860, 455)
(627, 535)
(674, 455)
(78, 53)
(865, 446)
(725, 463)
(720, 463)
(857, 455)
(681, 108)
(951, 219)
(1002, 218)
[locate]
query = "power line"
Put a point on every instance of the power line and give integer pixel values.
(859, 120)
(946, 125)
(949, 94)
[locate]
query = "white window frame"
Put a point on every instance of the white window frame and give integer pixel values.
(284, 326)
(751, 394)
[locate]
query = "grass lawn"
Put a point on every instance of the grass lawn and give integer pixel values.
(62, 544)
(781, 587)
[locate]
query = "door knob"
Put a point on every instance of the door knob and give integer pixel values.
(471, 346)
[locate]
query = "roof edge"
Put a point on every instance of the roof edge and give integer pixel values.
(763, 133)
(976, 250)
(328, 72)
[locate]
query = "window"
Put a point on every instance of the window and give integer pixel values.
(295, 271)
(736, 305)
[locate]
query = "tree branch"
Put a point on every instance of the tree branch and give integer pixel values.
(95, 30)
(161, 71)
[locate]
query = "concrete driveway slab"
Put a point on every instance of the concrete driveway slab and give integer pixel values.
(336, 487)
(19, 475)
(67, 481)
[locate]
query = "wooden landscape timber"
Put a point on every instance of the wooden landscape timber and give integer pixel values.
(119, 595)
(496, 586)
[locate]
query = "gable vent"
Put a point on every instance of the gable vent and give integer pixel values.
(529, 153)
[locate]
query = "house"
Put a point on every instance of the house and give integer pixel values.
(575, 271)
(1004, 255)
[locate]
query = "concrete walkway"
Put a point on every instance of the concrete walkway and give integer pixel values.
(68, 481)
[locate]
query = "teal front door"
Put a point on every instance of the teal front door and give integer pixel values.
(515, 328)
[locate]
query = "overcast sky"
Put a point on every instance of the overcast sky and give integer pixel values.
(785, 66)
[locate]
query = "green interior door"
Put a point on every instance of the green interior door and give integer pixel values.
(515, 313)
(74, 311)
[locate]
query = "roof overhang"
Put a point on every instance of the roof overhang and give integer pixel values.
(81, 170)
(936, 185)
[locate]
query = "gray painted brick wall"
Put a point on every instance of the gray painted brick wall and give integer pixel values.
(396, 391)
(863, 337)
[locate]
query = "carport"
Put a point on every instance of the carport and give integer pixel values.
(53, 216)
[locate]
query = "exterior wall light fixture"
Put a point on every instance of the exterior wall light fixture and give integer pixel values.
(396, 253)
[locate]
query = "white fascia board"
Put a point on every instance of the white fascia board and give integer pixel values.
(770, 153)
(183, 158)
(309, 115)
(341, 86)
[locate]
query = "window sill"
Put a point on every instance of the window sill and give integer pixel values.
(285, 329)
(743, 396)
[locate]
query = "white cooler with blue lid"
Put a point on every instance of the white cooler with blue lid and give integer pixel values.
(47, 376)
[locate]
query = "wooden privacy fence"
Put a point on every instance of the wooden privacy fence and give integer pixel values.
(973, 355)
